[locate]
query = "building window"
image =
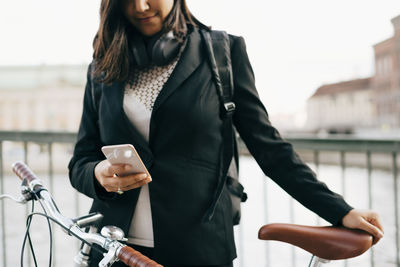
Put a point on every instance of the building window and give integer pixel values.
(384, 65)
(388, 64)
(378, 66)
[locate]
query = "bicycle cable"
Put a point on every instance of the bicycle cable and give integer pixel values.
(31, 247)
(27, 235)
(50, 236)
(99, 249)
(28, 225)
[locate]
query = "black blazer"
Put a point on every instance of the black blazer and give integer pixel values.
(182, 156)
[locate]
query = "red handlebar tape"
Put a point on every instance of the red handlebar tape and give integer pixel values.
(133, 258)
(23, 171)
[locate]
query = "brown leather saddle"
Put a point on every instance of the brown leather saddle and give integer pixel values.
(326, 242)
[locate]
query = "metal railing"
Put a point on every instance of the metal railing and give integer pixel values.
(47, 139)
(367, 147)
(312, 146)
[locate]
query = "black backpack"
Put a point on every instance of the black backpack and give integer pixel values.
(219, 55)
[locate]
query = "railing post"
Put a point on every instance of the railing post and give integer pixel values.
(51, 185)
(316, 161)
(293, 248)
(27, 211)
(343, 176)
(316, 164)
(267, 250)
(396, 207)
(369, 173)
(3, 220)
(343, 171)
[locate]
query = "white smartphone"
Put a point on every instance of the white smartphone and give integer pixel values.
(125, 154)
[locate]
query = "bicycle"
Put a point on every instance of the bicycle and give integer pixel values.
(109, 241)
(325, 243)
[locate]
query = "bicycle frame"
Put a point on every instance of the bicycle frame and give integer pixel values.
(328, 243)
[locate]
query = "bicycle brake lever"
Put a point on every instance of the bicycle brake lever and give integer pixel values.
(26, 193)
(21, 200)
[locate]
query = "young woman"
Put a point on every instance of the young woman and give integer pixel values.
(157, 93)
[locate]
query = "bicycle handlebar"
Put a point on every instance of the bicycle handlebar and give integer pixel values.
(118, 250)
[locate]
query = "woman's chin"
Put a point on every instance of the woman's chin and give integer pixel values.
(149, 30)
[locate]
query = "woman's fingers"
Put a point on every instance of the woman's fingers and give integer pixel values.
(364, 220)
(118, 169)
(128, 182)
(374, 225)
(134, 181)
(114, 178)
(372, 229)
(136, 184)
(374, 219)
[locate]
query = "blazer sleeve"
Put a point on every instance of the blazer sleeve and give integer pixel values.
(87, 152)
(274, 155)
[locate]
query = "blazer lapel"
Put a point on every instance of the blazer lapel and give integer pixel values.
(126, 131)
(190, 59)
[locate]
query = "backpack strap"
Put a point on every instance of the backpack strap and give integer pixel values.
(222, 55)
(219, 56)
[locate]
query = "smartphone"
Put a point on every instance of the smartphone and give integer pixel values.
(125, 154)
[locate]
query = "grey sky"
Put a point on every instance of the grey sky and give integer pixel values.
(294, 46)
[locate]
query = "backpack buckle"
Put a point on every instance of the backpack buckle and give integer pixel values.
(229, 108)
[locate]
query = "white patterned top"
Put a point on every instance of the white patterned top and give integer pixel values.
(141, 92)
(146, 84)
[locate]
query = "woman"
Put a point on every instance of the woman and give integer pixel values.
(161, 99)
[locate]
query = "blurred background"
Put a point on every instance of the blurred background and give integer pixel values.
(328, 73)
(320, 66)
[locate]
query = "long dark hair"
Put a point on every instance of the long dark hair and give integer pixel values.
(111, 45)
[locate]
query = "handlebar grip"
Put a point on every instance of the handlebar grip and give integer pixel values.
(133, 258)
(23, 172)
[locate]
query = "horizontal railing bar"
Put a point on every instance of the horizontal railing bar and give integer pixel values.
(2, 212)
(38, 137)
(345, 144)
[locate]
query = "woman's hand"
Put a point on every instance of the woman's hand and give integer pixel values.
(366, 220)
(110, 177)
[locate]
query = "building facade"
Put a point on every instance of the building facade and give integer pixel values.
(41, 98)
(371, 103)
(386, 81)
(338, 108)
